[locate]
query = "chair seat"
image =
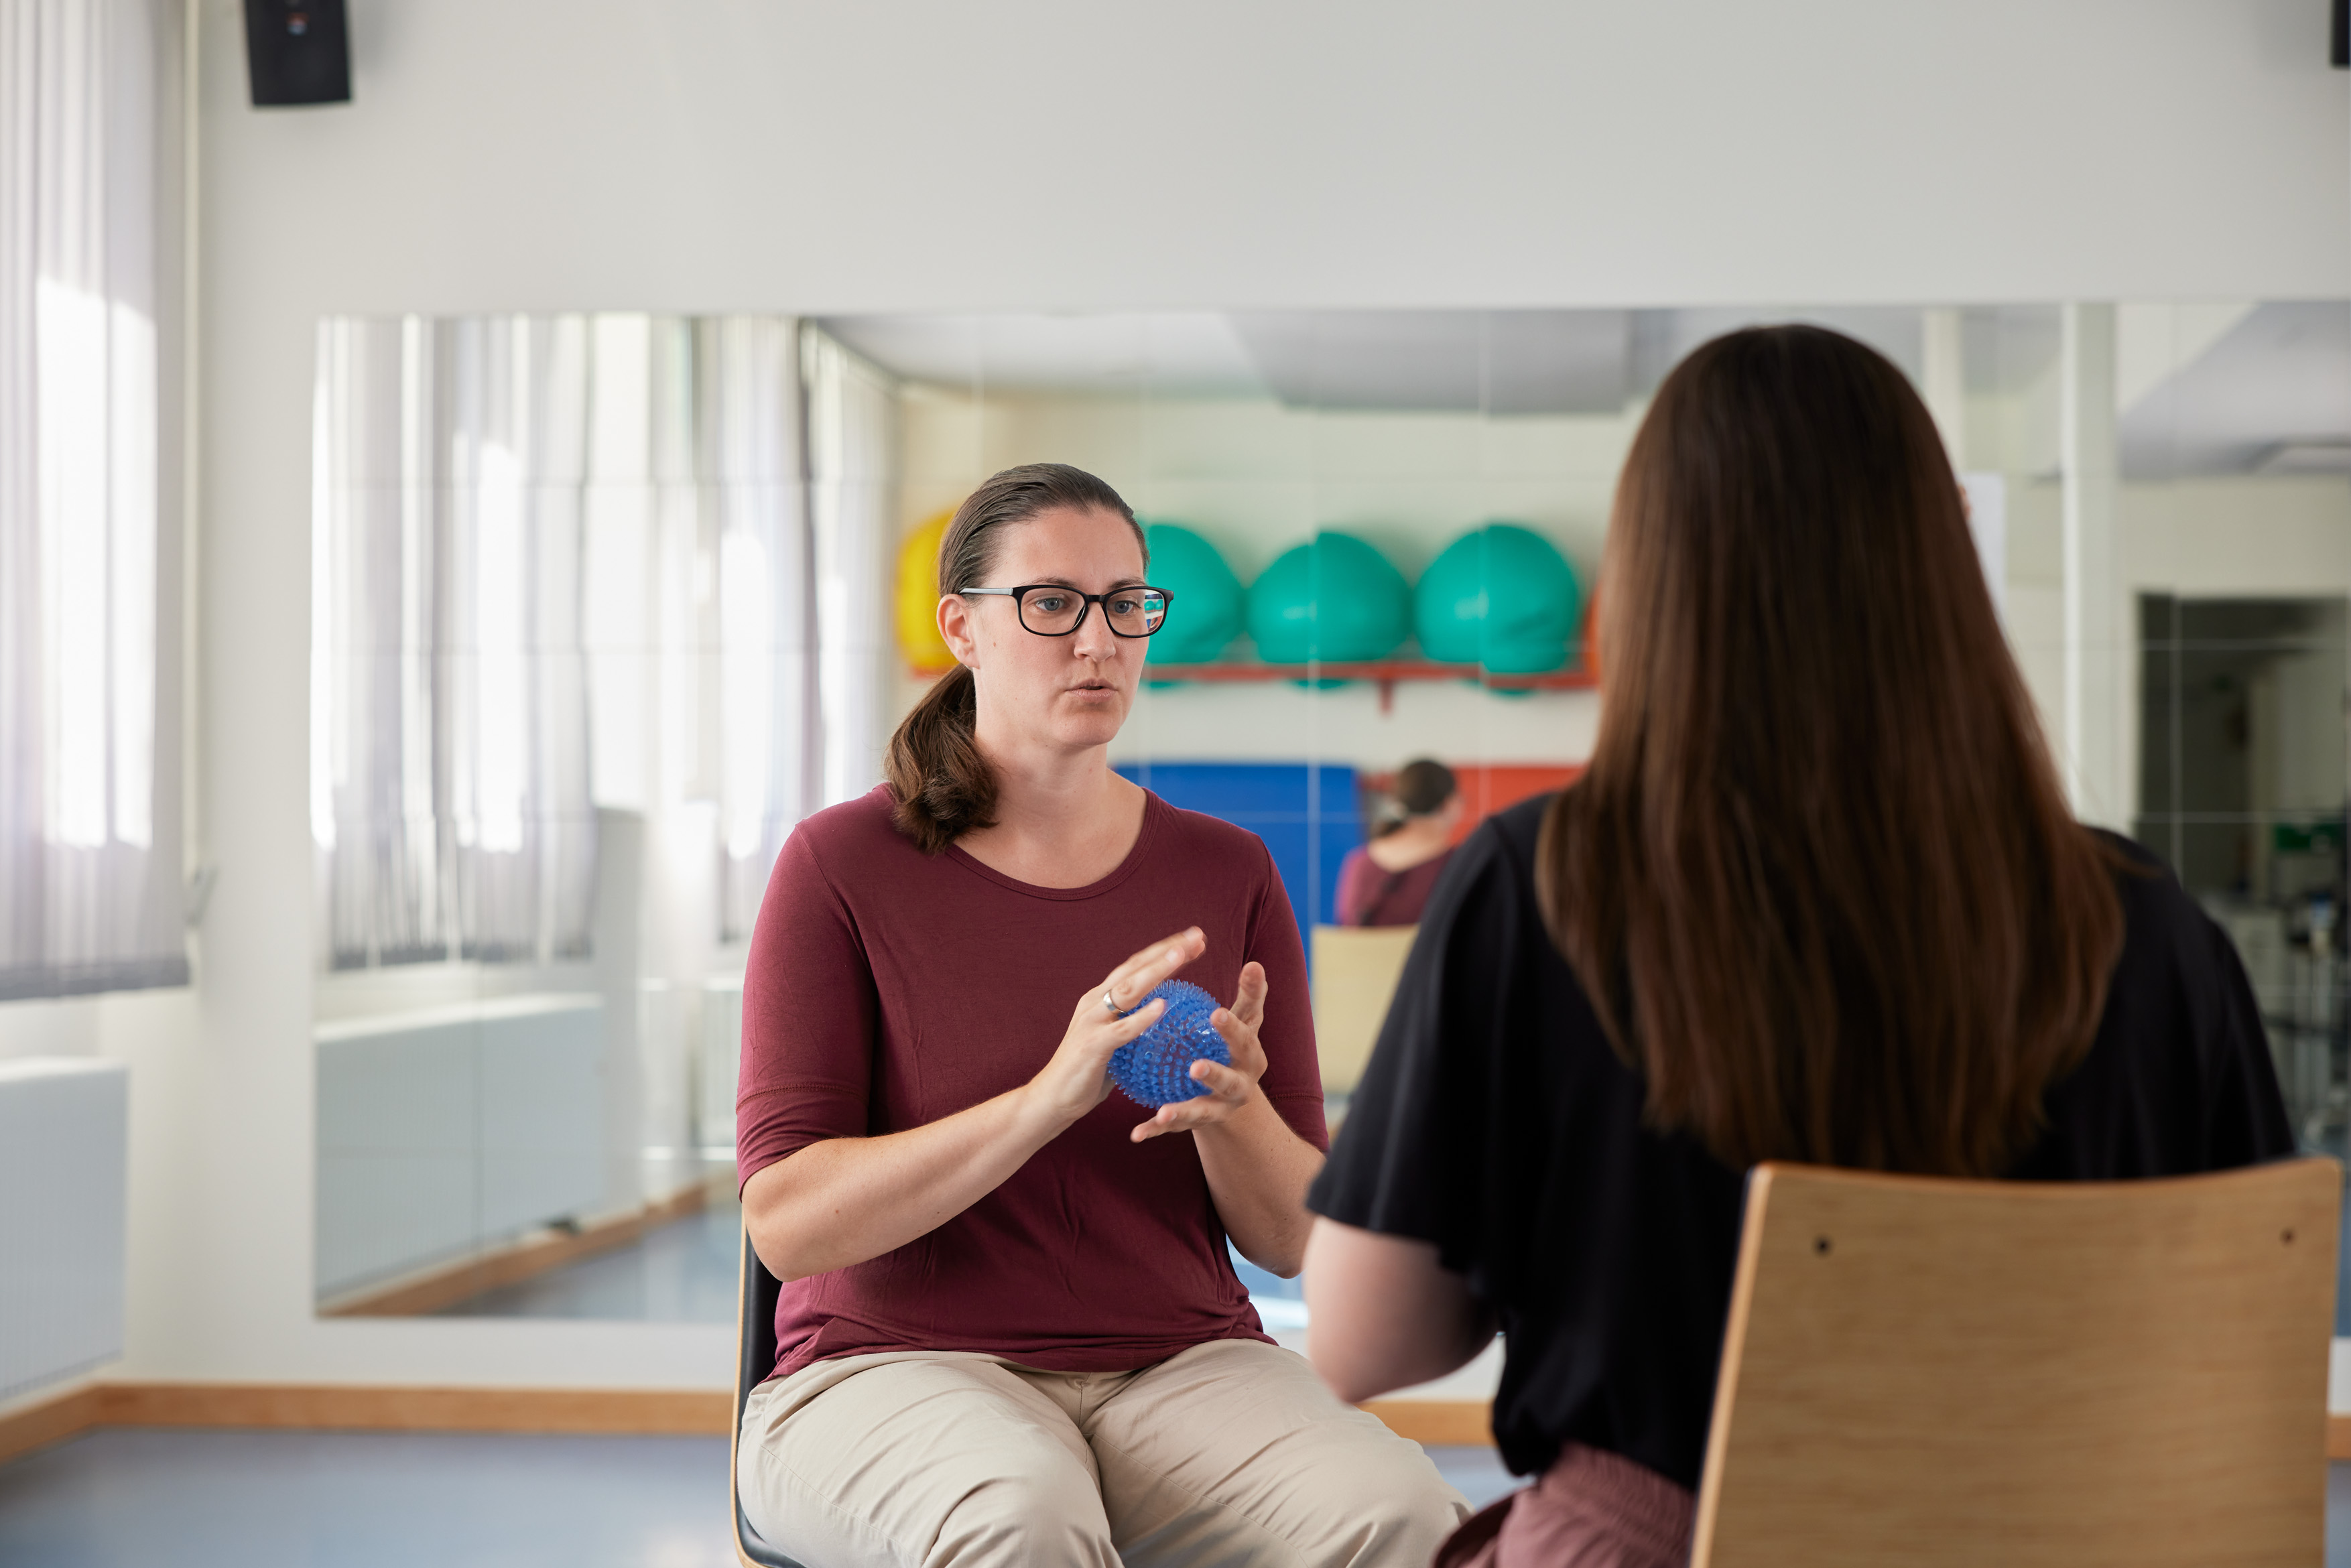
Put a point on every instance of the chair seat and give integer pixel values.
(750, 1548)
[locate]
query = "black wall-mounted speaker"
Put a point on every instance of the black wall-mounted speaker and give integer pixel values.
(297, 51)
(2338, 49)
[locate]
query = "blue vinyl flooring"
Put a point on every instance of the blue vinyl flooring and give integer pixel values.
(133, 1498)
(680, 1273)
(685, 1272)
(122, 1497)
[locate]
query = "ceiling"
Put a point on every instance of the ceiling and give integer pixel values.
(1500, 361)
(1168, 354)
(2272, 393)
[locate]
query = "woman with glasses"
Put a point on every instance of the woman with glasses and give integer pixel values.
(1010, 1331)
(1818, 897)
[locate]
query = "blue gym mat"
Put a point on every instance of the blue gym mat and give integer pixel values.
(1305, 812)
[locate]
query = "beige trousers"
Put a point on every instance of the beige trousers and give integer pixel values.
(1229, 1453)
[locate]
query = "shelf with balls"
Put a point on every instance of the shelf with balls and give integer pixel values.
(1384, 673)
(1499, 609)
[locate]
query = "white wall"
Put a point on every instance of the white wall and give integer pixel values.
(545, 154)
(2286, 538)
(2255, 536)
(1058, 153)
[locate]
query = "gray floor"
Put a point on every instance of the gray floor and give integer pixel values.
(269, 1499)
(685, 1272)
(680, 1273)
(140, 1499)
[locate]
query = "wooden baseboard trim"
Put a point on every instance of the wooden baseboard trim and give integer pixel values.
(53, 1421)
(1466, 1423)
(376, 1409)
(647, 1412)
(623, 1411)
(450, 1284)
(627, 1411)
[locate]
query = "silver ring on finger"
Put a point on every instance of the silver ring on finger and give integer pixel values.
(1110, 1001)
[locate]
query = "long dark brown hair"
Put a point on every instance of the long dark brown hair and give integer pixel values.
(943, 786)
(1820, 881)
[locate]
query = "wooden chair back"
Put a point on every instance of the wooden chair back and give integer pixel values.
(1932, 1371)
(1355, 972)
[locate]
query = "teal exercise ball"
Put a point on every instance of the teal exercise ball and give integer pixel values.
(1203, 613)
(1500, 596)
(1336, 600)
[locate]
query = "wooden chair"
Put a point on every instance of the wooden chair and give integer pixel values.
(1932, 1373)
(1355, 972)
(755, 1357)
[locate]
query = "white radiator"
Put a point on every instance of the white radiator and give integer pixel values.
(446, 1129)
(65, 1132)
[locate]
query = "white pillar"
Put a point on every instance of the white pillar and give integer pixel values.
(1943, 386)
(1943, 378)
(2089, 467)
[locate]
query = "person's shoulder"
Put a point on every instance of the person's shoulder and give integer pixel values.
(2130, 854)
(1507, 837)
(1208, 850)
(853, 832)
(2155, 906)
(1190, 832)
(2172, 945)
(1490, 875)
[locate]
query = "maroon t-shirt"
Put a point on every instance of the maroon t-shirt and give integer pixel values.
(1370, 895)
(888, 989)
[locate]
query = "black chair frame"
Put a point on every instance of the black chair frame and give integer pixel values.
(755, 1358)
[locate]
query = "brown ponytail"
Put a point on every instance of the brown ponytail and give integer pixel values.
(943, 786)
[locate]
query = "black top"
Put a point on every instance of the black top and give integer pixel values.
(1495, 1122)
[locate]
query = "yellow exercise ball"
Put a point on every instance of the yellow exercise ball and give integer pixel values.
(918, 596)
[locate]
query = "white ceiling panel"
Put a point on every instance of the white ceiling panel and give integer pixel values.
(1174, 354)
(2264, 397)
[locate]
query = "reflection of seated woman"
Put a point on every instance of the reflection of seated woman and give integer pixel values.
(1386, 881)
(1819, 897)
(1010, 1331)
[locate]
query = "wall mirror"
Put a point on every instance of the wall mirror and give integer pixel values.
(604, 604)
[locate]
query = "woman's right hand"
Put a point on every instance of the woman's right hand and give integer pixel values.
(1078, 1077)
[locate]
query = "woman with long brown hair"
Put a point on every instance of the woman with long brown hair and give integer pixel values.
(1011, 1331)
(1819, 897)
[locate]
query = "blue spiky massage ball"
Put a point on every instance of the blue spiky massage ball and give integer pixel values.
(1154, 1067)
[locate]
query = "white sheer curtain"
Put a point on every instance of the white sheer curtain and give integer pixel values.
(90, 800)
(560, 563)
(769, 743)
(852, 412)
(449, 726)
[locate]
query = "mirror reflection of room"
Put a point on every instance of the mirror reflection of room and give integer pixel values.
(608, 603)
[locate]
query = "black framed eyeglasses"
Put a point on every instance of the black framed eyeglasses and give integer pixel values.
(1056, 609)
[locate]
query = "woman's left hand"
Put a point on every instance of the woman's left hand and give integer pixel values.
(1230, 1088)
